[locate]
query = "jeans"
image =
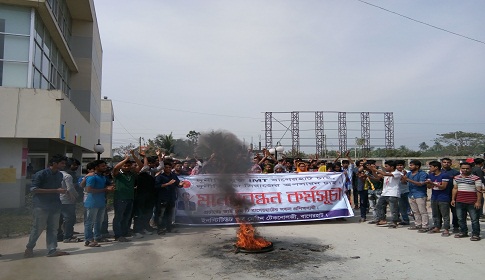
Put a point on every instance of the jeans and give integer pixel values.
(364, 203)
(404, 207)
(44, 219)
(374, 196)
(122, 218)
(163, 215)
(455, 217)
(356, 195)
(68, 212)
(94, 218)
(382, 206)
(441, 214)
(418, 205)
(461, 211)
(143, 211)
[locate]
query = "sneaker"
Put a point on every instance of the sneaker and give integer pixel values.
(122, 239)
(138, 235)
(28, 253)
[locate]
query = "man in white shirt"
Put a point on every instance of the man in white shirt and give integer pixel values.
(390, 193)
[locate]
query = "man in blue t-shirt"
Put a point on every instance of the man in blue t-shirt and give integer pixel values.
(446, 168)
(46, 187)
(95, 203)
(440, 198)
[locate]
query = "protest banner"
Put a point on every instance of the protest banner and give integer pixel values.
(284, 197)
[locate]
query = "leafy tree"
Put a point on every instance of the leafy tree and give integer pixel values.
(462, 143)
(121, 151)
(193, 139)
(423, 146)
(166, 143)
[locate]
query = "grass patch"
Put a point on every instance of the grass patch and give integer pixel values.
(15, 222)
(18, 222)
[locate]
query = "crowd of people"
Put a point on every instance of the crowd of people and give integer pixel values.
(145, 192)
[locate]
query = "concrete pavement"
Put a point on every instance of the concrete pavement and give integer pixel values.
(311, 250)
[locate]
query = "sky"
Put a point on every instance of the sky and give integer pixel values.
(177, 66)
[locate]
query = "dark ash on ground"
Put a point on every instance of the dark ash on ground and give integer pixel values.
(286, 256)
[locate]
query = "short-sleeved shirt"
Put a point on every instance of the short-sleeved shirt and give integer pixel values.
(416, 191)
(436, 193)
(96, 200)
(468, 187)
(46, 179)
(125, 185)
(391, 184)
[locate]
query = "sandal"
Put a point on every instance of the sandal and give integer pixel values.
(434, 230)
(102, 240)
(445, 234)
(475, 238)
(91, 244)
(414, 228)
(58, 254)
(461, 235)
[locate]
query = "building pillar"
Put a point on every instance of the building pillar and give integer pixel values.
(13, 168)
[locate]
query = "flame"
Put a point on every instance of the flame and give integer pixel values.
(246, 238)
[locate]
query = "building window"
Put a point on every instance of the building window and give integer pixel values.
(14, 45)
(50, 71)
(61, 13)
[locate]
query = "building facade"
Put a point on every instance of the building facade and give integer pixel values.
(50, 88)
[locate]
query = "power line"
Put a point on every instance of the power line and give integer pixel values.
(185, 111)
(418, 21)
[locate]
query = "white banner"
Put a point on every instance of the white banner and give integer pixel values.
(284, 197)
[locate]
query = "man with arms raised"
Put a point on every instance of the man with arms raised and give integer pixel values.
(390, 193)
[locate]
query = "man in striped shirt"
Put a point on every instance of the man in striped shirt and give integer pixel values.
(466, 197)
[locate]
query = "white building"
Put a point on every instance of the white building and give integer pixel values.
(50, 88)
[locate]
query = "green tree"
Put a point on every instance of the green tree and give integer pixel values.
(462, 143)
(193, 139)
(121, 151)
(423, 146)
(166, 143)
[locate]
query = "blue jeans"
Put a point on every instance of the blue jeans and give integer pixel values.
(68, 212)
(122, 218)
(374, 196)
(94, 218)
(404, 207)
(461, 210)
(48, 219)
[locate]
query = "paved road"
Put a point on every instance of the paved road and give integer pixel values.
(311, 250)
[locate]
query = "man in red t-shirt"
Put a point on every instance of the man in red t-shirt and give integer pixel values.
(466, 197)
